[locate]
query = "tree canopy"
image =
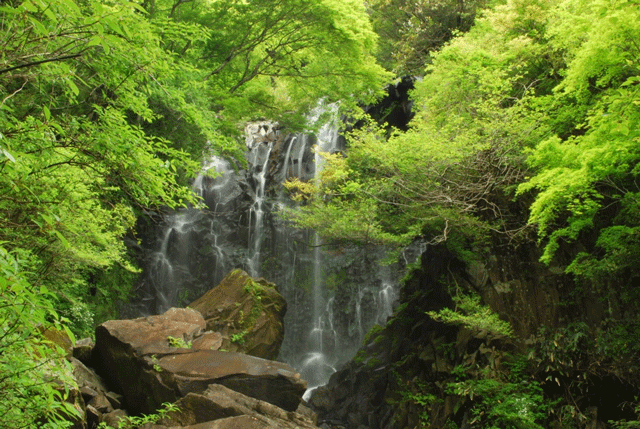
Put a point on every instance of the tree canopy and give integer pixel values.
(411, 30)
(106, 108)
(536, 108)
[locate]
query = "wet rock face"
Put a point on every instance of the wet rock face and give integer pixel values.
(248, 313)
(161, 358)
(395, 109)
(335, 294)
(409, 362)
(367, 391)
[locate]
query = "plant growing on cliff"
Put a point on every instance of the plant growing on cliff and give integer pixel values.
(473, 315)
(255, 289)
(499, 404)
(502, 399)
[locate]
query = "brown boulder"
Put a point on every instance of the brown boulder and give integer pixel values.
(151, 335)
(137, 356)
(240, 422)
(248, 312)
(219, 402)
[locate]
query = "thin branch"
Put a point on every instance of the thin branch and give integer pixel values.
(35, 63)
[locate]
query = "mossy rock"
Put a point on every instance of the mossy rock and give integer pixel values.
(248, 312)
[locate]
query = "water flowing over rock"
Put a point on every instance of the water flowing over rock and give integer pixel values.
(140, 357)
(334, 294)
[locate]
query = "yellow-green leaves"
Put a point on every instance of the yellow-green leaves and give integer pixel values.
(473, 315)
(27, 360)
(578, 176)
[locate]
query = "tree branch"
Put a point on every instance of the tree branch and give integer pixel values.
(35, 63)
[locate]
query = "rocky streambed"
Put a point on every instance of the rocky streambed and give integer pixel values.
(137, 365)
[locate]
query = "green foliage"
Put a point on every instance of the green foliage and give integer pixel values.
(270, 58)
(238, 337)
(411, 30)
(628, 424)
(538, 100)
(134, 422)
(502, 399)
(106, 108)
(447, 177)
(179, 343)
(74, 168)
(503, 404)
(375, 333)
(473, 315)
(413, 396)
(576, 353)
(36, 377)
(156, 365)
(576, 358)
(585, 174)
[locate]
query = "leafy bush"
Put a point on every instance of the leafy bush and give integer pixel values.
(34, 375)
(510, 401)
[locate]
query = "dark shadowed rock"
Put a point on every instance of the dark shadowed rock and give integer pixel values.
(101, 403)
(136, 355)
(93, 417)
(83, 349)
(87, 378)
(113, 418)
(248, 312)
(269, 381)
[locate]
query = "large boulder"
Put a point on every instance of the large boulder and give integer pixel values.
(218, 402)
(249, 314)
(160, 359)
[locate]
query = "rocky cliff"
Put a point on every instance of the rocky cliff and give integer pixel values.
(552, 370)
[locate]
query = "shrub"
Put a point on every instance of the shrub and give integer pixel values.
(34, 375)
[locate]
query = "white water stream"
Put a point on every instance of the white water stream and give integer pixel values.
(334, 295)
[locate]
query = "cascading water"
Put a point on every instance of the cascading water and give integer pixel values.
(317, 365)
(259, 159)
(334, 295)
(186, 249)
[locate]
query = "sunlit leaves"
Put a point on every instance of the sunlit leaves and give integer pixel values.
(462, 154)
(28, 362)
(410, 31)
(579, 176)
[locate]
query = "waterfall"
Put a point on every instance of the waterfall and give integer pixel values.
(334, 294)
(259, 159)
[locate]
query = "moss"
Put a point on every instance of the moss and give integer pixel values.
(373, 362)
(360, 357)
(373, 332)
(179, 343)
(256, 290)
